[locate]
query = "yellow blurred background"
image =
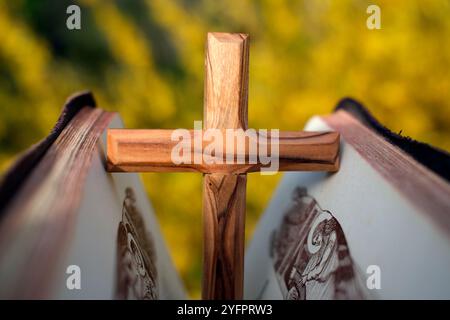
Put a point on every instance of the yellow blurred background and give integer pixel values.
(144, 59)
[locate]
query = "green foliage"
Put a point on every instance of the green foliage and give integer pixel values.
(144, 59)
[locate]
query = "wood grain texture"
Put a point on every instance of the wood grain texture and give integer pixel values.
(226, 81)
(150, 151)
(225, 107)
(223, 232)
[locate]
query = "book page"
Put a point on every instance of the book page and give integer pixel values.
(345, 235)
(117, 243)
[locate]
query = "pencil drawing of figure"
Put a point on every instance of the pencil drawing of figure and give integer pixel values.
(311, 256)
(136, 271)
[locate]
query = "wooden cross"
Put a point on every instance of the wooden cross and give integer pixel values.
(224, 187)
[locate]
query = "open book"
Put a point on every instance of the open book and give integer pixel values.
(63, 214)
(378, 228)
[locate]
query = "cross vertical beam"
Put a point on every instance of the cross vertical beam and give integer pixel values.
(225, 107)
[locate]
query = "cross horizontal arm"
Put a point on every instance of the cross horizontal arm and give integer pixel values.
(154, 151)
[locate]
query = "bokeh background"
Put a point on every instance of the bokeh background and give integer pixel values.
(144, 59)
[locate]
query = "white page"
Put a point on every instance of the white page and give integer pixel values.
(379, 227)
(136, 265)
